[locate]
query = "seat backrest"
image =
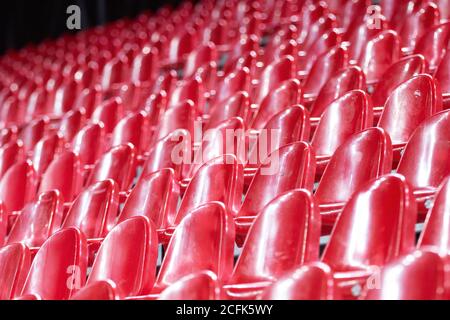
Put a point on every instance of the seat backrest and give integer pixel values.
(38, 220)
(376, 225)
(205, 238)
(128, 257)
(288, 228)
(290, 167)
(202, 285)
(94, 210)
(363, 156)
(15, 260)
(59, 267)
(426, 159)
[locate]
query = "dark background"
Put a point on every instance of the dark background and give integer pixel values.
(30, 21)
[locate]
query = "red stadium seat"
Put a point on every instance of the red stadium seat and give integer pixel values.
(15, 262)
(202, 285)
(289, 230)
(375, 227)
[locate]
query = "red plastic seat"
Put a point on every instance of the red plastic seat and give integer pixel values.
(155, 196)
(376, 226)
(287, 126)
(65, 97)
(399, 72)
(99, 290)
(93, 212)
(45, 152)
(38, 220)
(290, 167)
(363, 156)
(325, 67)
(407, 107)
(236, 81)
(345, 116)
(18, 186)
(199, 58)
(131, 129)
(435, 233)
(59, 267)
(205, 240)
(235, 106)
(89, 143)
(145, 65)
(433, 44)
(273, 75)
(7, 135)
(380, 53)
(160, 156)
(110, 112)
(115, 72)
(426, 160)
(417, 24)
(202, 285)
(287, 94)
(63, 174)
(220, 179)
(117, 164)
(180, 46)
(33, 132)
(127, 257)
(71, 123)
(351, 78)
(10, 154)
(192, 90)
(15, 260)
(226, 138)
(289, 230)
(442, 75)
(416, 276)
(181, 116)
(88, 99)
(312, 281)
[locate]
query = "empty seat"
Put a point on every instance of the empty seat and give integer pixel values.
(273, 75)
(325, 66)
(155, 196)
(63, 174)
(312, 281)
(205, 238)
(433, 44)
(71, 123)
(235, 106)
(202, 285)
(181, 116)
(380, 52)
(288, 229)
(416, 276)
(33, 132)
(199, 58)
(38, 220)
(442, 75)
(376, 226)
(363, 156)
(290, 167)
(109, 113)
(89, 144)
(131, 129)
(145, 65)
(118, 164)
(15, 260)
(10, 154)
(59, 267)
(160, 155)
(425, 160)
(345, 116)
(235, 81)
(351, 78)
(45, 152)
(192, 90)
(94, 211)
(407, 107)
(399, 72)
(18, 186)
(127, 257)
(99, 290)
(435, 233)
(220, 179)
(287, 94)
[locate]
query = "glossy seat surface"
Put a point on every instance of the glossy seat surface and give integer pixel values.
(127, 257)
(15, 260)
(38, 220)
(59, 267)
(205, 240)
(198, 286)
(94, 210)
